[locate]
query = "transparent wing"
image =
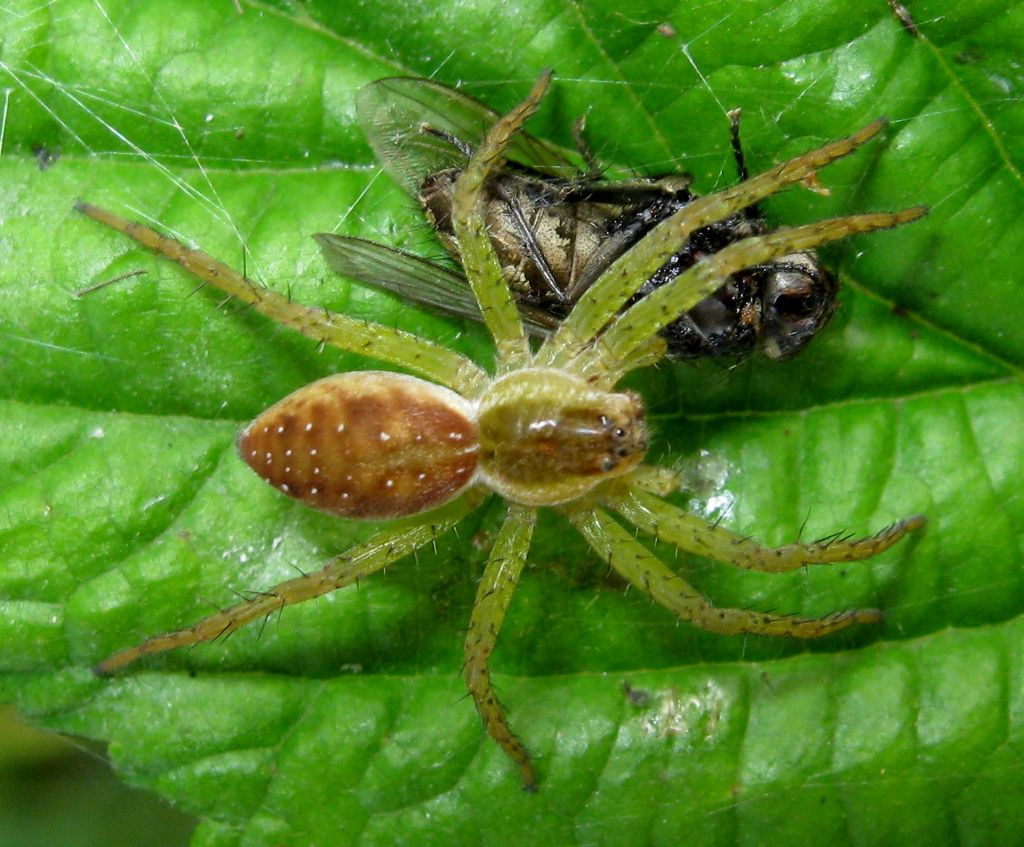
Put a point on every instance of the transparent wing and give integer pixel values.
(413, 278)
(393, 111)
(399, 272)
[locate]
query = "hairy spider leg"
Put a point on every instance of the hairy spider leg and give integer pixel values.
(665, 522)
(490, 287)
(643, 569)
(525, 230)
(385, 343)
(623, 278)
(378, 551)
(498, 584)
(647, 354)
(631, 330)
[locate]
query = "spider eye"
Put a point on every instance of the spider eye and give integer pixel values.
(609, 465)
(620, 432)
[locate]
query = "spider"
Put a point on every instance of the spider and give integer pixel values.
(547, 428)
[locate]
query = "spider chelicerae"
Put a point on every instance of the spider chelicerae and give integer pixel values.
(547, 428)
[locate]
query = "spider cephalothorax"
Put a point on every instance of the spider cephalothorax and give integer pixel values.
(547, 437)
(547, 429)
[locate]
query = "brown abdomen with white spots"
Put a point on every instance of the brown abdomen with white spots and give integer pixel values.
(366, 445)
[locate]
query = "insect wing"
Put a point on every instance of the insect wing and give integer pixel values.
(402, 273)
(413, 278)
(393, 111)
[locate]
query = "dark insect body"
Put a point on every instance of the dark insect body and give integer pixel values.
(556, 229)
(547, 429)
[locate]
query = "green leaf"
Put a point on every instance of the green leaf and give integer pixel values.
(124, 511)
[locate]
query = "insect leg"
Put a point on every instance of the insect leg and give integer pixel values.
(448, 138)
(643, 569)
(690, 532)
(501, 576)
(751, 213)
(481, 263)
(528, 238)
(378, 551)
(594, 169)
(388, 344)
(737, 145)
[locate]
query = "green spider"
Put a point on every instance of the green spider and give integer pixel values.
(546, 429)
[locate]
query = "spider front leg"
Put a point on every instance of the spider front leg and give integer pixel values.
(483, 268)
(498, 584)
(377, 552)
(643, 569)
(624, 277)
(688, 532)
(631, 330)
(385, 343)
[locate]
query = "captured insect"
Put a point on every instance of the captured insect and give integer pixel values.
(547, 428)
(557, 228)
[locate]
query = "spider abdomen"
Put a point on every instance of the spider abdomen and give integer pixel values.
(547, 436)
(371, 444)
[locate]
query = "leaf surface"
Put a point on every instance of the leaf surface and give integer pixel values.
(124, 511)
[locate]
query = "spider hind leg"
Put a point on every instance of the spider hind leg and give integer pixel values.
(501, 576)
(375, 553)
(665, 522)
(644, 570)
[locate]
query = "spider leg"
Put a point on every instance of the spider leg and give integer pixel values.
(378, 551)
(647, 354)
(623, 278)
(643, 569)
(632, 329)
(483, 269)
(653, 478)
(665, 522)
(388, 344)
(501, 576)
